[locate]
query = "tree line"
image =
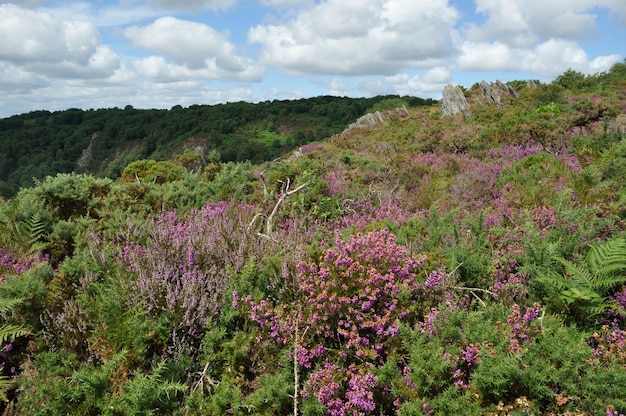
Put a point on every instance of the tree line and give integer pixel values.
(42, 143)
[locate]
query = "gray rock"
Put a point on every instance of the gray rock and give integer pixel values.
(490, 93)
(368, 120)
(507, 88)
(453, 102)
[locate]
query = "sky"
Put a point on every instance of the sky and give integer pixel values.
(56, 55)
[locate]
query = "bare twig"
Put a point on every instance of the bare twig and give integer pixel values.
(473, 290)
(285, 192)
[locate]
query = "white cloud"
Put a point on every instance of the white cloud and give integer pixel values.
(197, 50)
(187, 5)
(14, 78)
(282, 4)
(546, 59)
(37, 42)
(427, 84)
(359, 37)
(26, 3)
(524, 23)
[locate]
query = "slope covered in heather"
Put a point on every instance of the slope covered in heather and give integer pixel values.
(423, 265)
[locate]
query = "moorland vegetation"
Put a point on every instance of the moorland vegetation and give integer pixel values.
(426, 265)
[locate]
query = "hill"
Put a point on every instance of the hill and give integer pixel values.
(102, 142)
(419, 264)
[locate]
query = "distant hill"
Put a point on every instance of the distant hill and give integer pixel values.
(104, 141)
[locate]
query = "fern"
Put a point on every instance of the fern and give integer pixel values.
(9, 332)
(608, 258)
(7, 304)
(36, 231)
(586, 285)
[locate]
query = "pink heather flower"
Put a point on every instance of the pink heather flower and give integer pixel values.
(434, 279)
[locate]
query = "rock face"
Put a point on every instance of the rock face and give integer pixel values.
(493, 91)
(490, 93)
(453, 102)
(368, 120)
(376, 118)
(507, 88)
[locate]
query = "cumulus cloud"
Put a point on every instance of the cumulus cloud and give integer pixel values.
(426, 84)
(546, 59)
(36, 42)
(187, 5)
(195, 49)
(359, 37)
(538, 36)
(282, 4)
(27, 3)
(522, 23)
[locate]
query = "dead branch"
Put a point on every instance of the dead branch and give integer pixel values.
(285, 192)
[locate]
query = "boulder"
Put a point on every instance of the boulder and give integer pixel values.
(453, 102)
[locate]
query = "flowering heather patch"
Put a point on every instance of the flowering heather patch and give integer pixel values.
(352, 301)
(509, 284)
(523, 327)
(463, 364)
(343, 391)
(12, 264)
(363, 211)
(607, 345)
(183, 268)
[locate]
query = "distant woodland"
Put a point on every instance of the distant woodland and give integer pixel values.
(43, 143)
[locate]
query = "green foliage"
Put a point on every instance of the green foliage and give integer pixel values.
(551, 108)
(152, 171)
(8, 333)
(503, 204)
(69, 196)
(41, 143)
(549, 93)
(583, 287)
(148, 394)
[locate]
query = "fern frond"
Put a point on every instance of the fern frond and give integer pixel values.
(36, 228)
(607, 258)
(5, 383)
(578, 273)
(6, 304)
(10, 332)
(553, 278)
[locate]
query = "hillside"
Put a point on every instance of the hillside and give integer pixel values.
(423, 264)
(102, 142)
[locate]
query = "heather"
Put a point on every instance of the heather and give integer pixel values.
(428, 265)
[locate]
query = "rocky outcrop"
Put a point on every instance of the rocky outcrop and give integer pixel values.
(494, 91)
(453, 102)
(85, 161)
(376, 118)
(507, 88)
(368, 120)
(490, 93)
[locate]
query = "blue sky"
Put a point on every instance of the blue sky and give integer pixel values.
(56, 55)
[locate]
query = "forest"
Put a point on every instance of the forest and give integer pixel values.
(459, 265)
(102, 142)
